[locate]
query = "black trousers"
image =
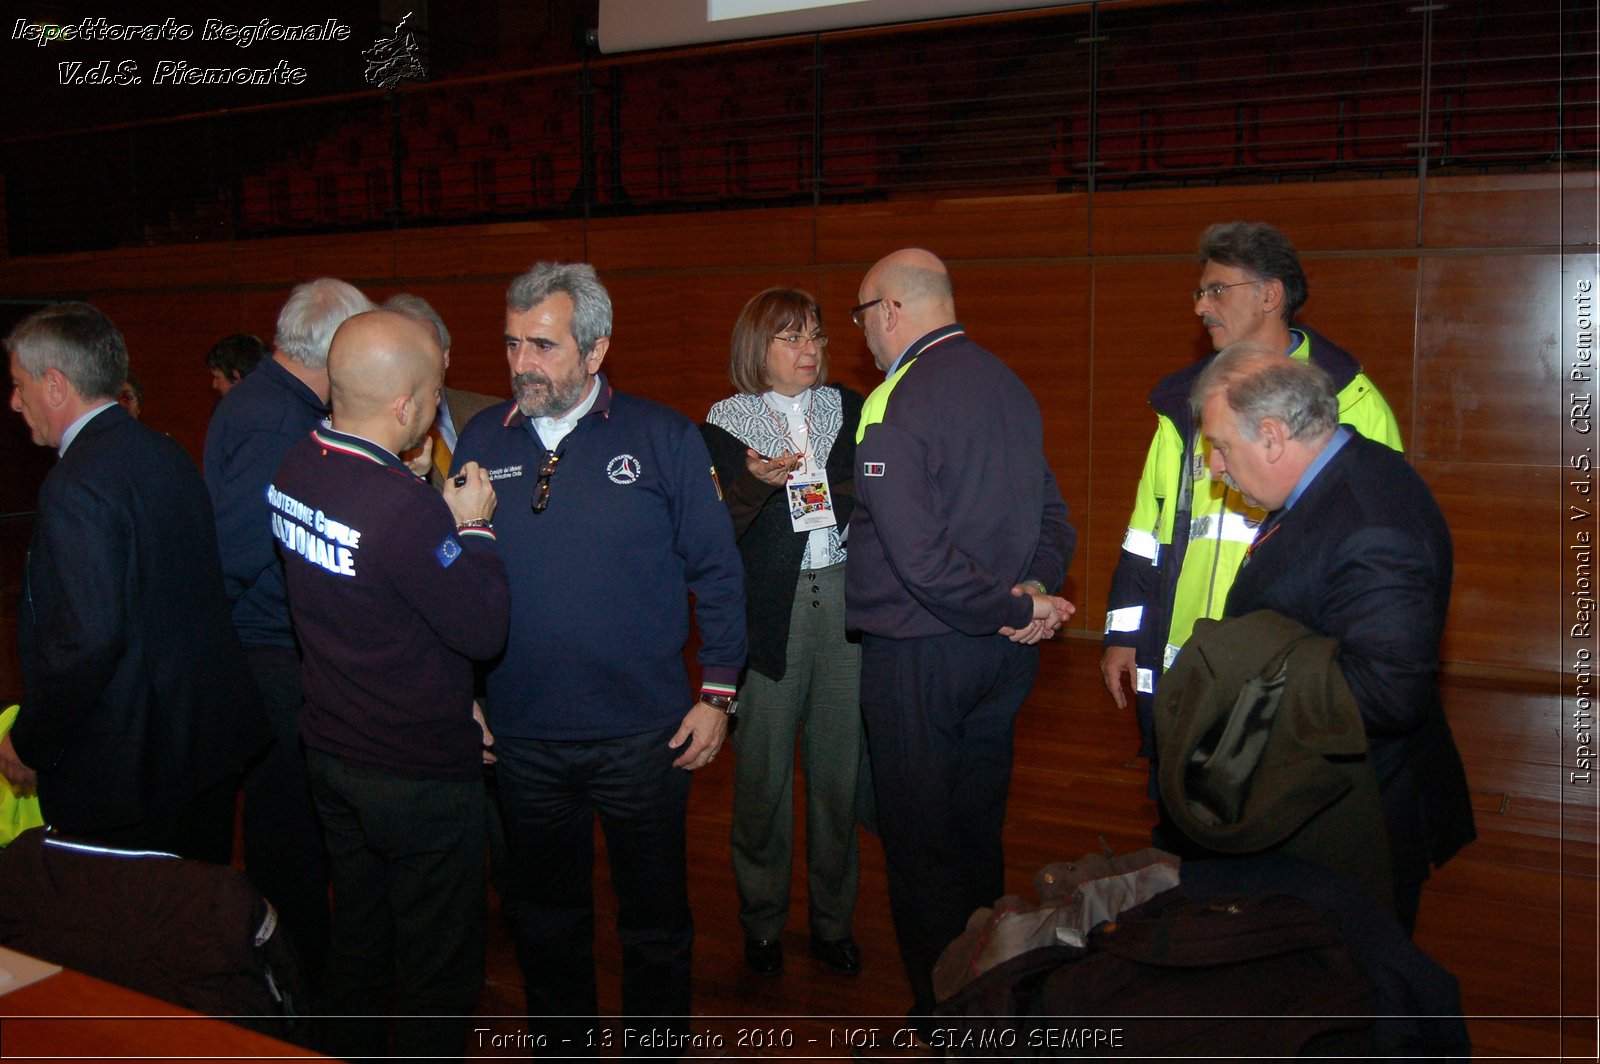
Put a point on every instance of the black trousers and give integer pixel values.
(940, 712)
(408, 909)
(550, 794)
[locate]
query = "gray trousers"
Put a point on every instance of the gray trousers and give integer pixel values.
(818, 705)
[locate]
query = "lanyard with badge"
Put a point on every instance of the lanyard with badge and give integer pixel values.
(806, 487)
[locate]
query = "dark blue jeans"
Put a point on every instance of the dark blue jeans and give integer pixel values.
(550, 794)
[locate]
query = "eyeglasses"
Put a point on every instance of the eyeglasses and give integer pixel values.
(801, 339)
(856, 312)
(1214, 291)
(541, 490)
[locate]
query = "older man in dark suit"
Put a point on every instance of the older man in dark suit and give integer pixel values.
(1353, 547)
(138, 710)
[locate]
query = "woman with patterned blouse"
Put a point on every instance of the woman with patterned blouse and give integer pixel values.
(784, 447)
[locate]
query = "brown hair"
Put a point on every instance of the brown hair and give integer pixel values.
(769, 314)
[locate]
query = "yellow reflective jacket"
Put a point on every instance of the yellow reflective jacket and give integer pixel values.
(1188, 533)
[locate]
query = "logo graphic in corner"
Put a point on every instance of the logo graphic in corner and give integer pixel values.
(624, 469)
(872, 469)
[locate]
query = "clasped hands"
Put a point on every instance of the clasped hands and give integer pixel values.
(1050, 612)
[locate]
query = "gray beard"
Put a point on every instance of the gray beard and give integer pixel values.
(539, 396)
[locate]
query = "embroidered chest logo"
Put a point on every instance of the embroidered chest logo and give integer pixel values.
(624, 469)
(872, 469)
(505, 472)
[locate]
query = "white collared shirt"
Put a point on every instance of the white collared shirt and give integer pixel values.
(73, 429)
(552, 430)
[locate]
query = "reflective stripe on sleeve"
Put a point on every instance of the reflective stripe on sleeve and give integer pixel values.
(1234, 527)
(1141, 543)
(1169, 656)
(1144, 681)
(1126, 619)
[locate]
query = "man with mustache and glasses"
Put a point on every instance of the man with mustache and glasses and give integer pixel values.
(1188, 533)
(609, 517)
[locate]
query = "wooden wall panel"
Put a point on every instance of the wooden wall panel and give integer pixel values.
(1580, 208)
(1036, 319)
(1505, 522)
(1367, 305)
(713, 239)
(359, 258)
(1488, 359)
(484, 250)
(1344, 215)
(1144, 329)
(1513, 210)
(58, 277)
(1010, 227)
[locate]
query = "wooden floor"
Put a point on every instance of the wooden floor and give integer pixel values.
(1513, 917)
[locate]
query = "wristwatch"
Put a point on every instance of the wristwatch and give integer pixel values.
(727, 703)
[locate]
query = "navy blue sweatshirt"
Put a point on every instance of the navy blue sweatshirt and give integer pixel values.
(601, 578)
(955, 503)
(392, 607)
(260, 418)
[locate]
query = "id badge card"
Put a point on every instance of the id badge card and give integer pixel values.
(810, 499)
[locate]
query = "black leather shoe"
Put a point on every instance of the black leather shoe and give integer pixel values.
(840, 954)
(765, 955)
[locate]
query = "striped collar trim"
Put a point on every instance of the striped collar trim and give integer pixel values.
(938, 336)
(356, 447)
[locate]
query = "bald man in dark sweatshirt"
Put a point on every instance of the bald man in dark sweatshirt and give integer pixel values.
(395, 590)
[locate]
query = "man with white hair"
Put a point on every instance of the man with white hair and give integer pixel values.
(253, 428)
(1353, 547)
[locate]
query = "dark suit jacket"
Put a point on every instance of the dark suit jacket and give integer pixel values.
(463, 406)
(135, 690)
(1364, 556)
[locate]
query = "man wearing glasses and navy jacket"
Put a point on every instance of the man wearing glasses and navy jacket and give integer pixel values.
(610, 516)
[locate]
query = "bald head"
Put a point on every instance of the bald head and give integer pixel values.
(919, 281)
(384, 371)
(912, 287)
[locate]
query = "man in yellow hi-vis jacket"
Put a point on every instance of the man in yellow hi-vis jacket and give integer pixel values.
(1188, 532)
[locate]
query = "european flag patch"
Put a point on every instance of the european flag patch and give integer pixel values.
(447, 552)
